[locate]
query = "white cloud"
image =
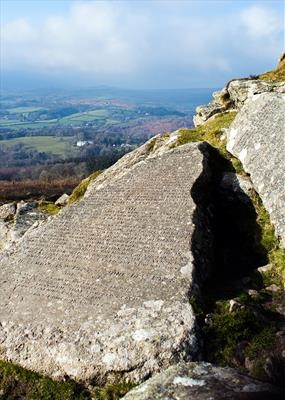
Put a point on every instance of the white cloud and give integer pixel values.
(19, 30)
(126, 39)
(261, 22)
(103, 37)
(93, 37)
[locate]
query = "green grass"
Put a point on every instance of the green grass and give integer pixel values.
(211, 131)
(228, 329)
(11, 124)
(19, 383)
(85, 116)
(253, 326)
(269, 241)
(100, 117)
(99, 113)
(80, 190)
(77, 118)
(49, 208)
(49, 144)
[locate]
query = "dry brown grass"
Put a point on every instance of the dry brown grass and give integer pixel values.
(277, 75)
(36, 189)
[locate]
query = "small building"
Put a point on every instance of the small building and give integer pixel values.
(81, 143)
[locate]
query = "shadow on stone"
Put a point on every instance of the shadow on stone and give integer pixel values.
(227, 249)
(236, 249)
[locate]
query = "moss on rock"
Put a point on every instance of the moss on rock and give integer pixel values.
(48, 207)
(269, 241)
(213, 132)
(112, 391)
(80, 190)
(249, 333)
(19, 383)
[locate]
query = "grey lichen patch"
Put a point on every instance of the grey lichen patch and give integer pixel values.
(185, 381)
(201, 381)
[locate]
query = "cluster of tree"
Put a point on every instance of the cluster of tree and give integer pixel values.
(54, 169)
(19, 155)
(159, 111)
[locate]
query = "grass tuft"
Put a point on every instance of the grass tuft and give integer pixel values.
(113, 391)
(270, 242)
(277, 75)
(48, 207)
(212, 131)
(228, 330)
(19, 383)
(150, 146)
(80, 190)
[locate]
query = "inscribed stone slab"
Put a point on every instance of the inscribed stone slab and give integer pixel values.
(104, 286)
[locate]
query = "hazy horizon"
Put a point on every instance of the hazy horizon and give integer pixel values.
(137, 44)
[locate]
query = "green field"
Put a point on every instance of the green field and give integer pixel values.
(24, 109)
(4, 123)
(60, 146)
(73, 119)
(85, 116)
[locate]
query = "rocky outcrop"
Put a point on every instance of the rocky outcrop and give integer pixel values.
(103, 288)
(234, 96)
(16, 220)
(62, 200)
(241, 90)
(257, 138)
(202, 381)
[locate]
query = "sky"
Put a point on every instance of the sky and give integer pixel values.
(143, 44)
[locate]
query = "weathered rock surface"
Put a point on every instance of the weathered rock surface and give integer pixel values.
(257, 138)
(234, 96)
(16, 220)
(103, 287)
(7, 211)
(202, 381)
(62, 200)
(206, 111)
(241, 90)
